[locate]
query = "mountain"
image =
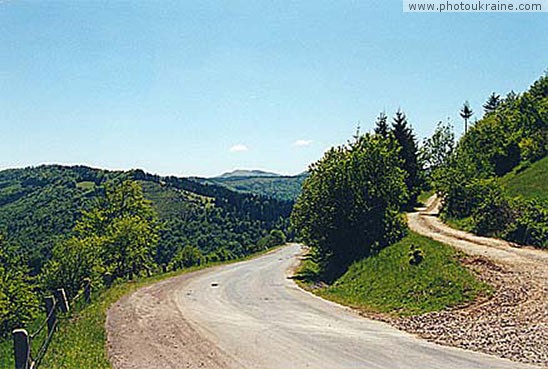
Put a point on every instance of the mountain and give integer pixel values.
(286, 188)
(40, 205)
(247, 173)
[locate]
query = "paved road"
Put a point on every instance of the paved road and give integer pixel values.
(251, 315)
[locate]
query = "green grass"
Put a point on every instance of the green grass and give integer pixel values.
(424, 196)
(387, 283)
(529, 181)
(86, 185)
(80, 340)
(464, 224)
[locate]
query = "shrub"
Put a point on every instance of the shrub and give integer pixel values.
(529, 225)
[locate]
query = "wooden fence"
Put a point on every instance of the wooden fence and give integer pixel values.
(22, 340)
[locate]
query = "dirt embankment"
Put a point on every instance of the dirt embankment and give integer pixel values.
(513, 322)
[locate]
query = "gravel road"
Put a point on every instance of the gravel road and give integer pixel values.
(251, 315)
(513, 323)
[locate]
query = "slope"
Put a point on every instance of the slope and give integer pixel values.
(285, 188)
(530, 181)
(41, 205)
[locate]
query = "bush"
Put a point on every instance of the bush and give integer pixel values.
(529, 224)
(187, 257)
(275, 238)
(349, 205)
(18, 300)
(492, 212)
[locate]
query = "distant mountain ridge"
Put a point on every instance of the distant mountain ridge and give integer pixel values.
(247, 173)
(40, 205)
(276, 186)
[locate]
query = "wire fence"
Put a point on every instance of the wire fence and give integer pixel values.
(23, 341)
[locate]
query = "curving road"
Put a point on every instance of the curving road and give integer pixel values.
(250, 314)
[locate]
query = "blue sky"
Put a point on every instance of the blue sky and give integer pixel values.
(203, 87)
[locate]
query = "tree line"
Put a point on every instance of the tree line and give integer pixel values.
(62, 225)
(511, 135)
(352, 202)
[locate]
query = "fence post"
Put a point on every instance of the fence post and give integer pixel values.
(87, 290)
(21, 346)
(50, 311)
(61, 298)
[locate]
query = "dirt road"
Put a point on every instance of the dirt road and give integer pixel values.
(250, 314)
(513, 323)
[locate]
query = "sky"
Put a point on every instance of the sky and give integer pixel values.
(204, 87)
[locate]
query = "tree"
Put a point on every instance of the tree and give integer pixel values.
(117, 236)
(187, 257)
(349, 205)
(381, 125)
(437, 149)
(72, 261)
(466, 113)
(18, 301)
(492, 103)
(409, 155)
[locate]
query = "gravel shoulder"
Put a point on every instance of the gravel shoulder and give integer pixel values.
(147, 330)
(513, 323)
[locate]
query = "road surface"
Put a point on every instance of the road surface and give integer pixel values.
(513, 323)
(251, 315)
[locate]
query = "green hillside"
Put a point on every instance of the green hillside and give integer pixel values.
(495, 180)
(39, 206)
(388, 283)
(278, 187)
(530, 182)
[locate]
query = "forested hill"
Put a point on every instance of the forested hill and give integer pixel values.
(493, 183)
(40, 205)
(279, 187)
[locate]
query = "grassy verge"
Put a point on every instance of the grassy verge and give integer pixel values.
(464, 224)
(387, 283)
(80, 341)
(424, 196)
(528, 181)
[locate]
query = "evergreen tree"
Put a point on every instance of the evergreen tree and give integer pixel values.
(466, 113)
(409, 155)
(492, 103)
(381, 125)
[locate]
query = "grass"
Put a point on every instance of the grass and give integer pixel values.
(387, 283)
(80, 340)
(528, 181)
(464, 224)
(424, 196)
(85, 185)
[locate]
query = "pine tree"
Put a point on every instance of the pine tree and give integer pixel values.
(381, 125)
(408, 154)
(492, 103)
(466, 113)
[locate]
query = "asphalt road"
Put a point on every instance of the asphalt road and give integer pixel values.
(259, 318)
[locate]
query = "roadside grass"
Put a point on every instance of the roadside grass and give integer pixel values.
(464, 224)
(424, 196)
(528, 181)
(387, 283)
(80, 341)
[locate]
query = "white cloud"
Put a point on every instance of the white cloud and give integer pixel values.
(302, 143)
(239, 148)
